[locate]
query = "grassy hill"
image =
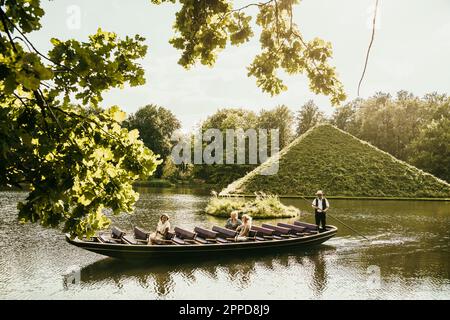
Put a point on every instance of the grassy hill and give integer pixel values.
(330, 159)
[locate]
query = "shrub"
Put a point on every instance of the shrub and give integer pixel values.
(262, 207)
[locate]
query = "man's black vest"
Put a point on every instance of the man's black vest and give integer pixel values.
(324, 204)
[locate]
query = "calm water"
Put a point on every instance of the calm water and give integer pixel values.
(408, 257)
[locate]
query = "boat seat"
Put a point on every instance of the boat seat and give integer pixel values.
(224, 232)
(201, 240)
(265, 232)
(178, 240)
(222, 240)
(309, 226)
(292, 227)
(90, 239)
(278, 229)
(140, 234)
(170, 235)
(117, 233)
(205, 233)
(184, 234)
(205, 236)
(105, 239)
(129, 240)
(296, 230)
(262, 230)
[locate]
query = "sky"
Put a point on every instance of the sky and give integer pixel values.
(411, 52)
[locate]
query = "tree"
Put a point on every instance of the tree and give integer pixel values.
(345, 117)
(308, 116)
(430, 150)
(391, 124)
(156, 126)
(223, 119)
(279, 118)
(231, 118)
(76, 163)
(204, 27)
(408, 127)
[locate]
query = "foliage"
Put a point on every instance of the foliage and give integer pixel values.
(345, 117)
(269, 206)
(154, 183)
(223, 119)
(156, 126)
(222, 206)
(430, 149)
(390, 124)
(222, 174)
(280, 118)
(204, 27)
(231, 118)
(262, 207)
(308, 116)
(403, 127)
(76, 162)
(177, 173)
(332, 160)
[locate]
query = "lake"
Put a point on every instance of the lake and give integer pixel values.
(408, 256)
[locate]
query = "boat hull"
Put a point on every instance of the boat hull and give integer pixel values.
(127, 251)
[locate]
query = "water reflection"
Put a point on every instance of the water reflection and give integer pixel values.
(239, 272)
(410, 247)
(319, 278)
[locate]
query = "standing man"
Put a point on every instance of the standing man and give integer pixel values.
(320, 205)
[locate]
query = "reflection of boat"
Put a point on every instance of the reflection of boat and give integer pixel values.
(209, 242)
(162, 275)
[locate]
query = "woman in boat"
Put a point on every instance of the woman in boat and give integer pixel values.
(162, 230)
(244, 229)
(233, 222)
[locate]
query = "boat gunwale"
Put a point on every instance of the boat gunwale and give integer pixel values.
(204, 247)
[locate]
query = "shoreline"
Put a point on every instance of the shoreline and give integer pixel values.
(343, 197)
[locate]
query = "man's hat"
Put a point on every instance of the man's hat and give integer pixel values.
(319, 192)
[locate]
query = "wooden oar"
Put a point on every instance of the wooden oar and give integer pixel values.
(359, 233)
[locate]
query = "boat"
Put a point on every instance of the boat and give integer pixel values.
(201, 241)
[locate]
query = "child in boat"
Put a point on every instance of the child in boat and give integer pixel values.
(233, 222)
(244, 229)
(162, 229)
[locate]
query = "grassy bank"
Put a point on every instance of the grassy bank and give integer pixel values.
(154, 183)
(250, 196)
(343, 166)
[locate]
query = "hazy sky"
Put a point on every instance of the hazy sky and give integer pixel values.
(411, 52)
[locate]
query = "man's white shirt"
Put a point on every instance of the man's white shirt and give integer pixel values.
(319, 203)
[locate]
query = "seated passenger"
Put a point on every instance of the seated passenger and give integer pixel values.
(162, 230)
(244, 229)
(233, 222)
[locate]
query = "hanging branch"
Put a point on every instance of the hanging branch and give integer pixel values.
(370, 46)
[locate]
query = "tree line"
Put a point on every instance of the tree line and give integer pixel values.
(410, 128)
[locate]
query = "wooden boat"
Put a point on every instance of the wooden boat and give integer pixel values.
(204, 241)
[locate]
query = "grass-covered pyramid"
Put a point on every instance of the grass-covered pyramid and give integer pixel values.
(330, 159)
